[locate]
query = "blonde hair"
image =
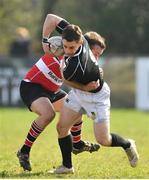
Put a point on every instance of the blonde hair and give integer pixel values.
(22, 32)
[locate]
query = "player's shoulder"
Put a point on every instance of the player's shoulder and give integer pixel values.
(49, 58)
(72, 61)
(70, 64)
(46, 56)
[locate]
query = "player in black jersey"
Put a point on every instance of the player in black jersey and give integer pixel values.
(90, 94)
(78, 144)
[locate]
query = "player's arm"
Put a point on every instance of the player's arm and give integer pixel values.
(49, 26)
(51, 23)
(88, 87)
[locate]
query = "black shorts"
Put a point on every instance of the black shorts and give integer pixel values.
(29, 92)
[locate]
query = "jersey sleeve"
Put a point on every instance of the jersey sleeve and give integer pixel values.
(62, 24)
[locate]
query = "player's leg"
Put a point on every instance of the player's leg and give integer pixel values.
(76, 134)
(68, 116)
(75, 130)
(100, 112)
(67, 119)
(105, 138)
(43, 107)
(78, 144)
(32, 97)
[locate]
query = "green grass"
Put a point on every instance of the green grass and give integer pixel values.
(106, 163)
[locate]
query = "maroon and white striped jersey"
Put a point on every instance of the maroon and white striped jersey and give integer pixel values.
(46, 72)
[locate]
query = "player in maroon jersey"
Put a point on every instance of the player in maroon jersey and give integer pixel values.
(39, 89)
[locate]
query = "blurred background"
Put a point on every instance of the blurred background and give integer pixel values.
(123, 23)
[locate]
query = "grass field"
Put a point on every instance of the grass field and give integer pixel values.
(110, 163)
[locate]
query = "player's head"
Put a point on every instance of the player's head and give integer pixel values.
(22, 33)
(96, 43)
(72, 39)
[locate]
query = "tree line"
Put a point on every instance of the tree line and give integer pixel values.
(123, 23)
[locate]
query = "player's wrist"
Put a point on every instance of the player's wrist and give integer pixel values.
(45, 40)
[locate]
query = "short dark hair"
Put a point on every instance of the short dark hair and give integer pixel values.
(72, 33)
(94, 38)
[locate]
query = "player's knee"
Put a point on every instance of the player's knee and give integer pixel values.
(48, 117)
(61, 130)
(104, 141)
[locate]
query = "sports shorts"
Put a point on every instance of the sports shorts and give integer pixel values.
(29, 92)
(95, 105)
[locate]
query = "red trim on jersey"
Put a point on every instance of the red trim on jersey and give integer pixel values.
(46, 72)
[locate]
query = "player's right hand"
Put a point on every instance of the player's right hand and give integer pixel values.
(45, 47)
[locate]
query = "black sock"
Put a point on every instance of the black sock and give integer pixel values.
(66, 149)
(25, 149)
(119, 141)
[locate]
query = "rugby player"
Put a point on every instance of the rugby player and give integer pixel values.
(39, 90)
(80, 68)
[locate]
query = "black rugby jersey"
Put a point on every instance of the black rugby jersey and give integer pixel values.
(82, 67)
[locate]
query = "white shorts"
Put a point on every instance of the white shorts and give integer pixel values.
(95, 105)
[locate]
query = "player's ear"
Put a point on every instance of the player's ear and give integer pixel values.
(81, 40)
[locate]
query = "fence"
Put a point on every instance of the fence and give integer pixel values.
(119, 73)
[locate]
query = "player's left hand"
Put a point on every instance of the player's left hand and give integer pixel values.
(92, 86)
(101, 72)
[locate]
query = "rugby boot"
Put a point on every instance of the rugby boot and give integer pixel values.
(24, 161)
(62, 170)
(87, 146)
(132, 153)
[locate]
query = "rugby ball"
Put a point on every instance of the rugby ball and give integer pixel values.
(56, 46)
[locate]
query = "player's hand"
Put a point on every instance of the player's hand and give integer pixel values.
(101, 73)
(45, 47)
(92, 86)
